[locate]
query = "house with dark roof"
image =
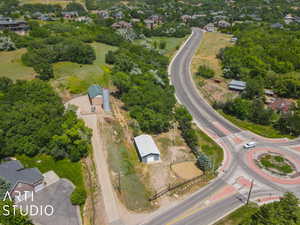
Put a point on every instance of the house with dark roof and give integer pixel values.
(21, 179)
(18, 26)
(276, 26)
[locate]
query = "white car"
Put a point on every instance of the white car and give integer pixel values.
(251, 144)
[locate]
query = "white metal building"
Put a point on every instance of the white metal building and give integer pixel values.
(147, 148)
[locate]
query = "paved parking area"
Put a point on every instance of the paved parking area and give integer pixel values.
(58, 196)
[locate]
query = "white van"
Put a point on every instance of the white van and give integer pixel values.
(251, 144)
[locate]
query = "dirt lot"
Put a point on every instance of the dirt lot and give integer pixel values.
(186, 170)
(213, 89)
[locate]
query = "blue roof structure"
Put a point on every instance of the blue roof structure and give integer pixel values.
(95, 90)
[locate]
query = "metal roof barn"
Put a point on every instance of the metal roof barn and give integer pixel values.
(147, 148)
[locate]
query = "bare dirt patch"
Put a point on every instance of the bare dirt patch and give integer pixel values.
(186, 170)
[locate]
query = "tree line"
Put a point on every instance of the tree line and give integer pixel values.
(34, 121)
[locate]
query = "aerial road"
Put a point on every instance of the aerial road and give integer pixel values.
(237, 166)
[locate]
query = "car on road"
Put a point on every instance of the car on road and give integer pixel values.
(251, 144)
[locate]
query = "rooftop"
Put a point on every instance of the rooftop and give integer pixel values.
(146, 145)
(94, 90)
(237, 83)
(14, 172)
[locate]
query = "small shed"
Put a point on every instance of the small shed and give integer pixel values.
(237, 85)
(95, 93)
(147, 149)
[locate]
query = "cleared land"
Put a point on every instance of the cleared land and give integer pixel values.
(186, 170)
(208, 51)
(12, 66)
(240, 215)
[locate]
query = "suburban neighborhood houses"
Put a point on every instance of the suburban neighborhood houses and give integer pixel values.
(149, 112)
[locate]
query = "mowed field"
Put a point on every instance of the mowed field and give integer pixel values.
(208, 50)
(77, 77)
(60, 2)
(172, 44)
(12, 66)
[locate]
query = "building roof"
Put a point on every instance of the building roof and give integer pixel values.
(106, 105)
(146, 145)
(94, 90)
(14, 172)
(281, 104)
(237, 83)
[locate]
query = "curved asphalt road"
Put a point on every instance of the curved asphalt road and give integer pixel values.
(206, 117)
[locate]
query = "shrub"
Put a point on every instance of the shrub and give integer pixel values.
(78, 196)
(206, 72)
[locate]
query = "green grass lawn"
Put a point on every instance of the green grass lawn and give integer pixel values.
(12, 66)
(240, 215)
(262, 130)
(76, 77)
(210, 148)
(63, 168)
(172, 43)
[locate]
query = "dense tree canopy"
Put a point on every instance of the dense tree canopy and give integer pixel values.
(33, 120)
(286, 211)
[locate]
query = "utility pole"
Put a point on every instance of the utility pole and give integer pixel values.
(119, 182)
(249, 194)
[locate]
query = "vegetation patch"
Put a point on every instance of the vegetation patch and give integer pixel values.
(210, 148)
(11, 65)
(240, 215)
(262, 130)
(124, 164)
(276, 163)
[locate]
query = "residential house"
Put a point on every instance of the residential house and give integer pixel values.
(70, 15)
(103, 14)
(223, 24)
(288, 19)
(150, 24)
(282, 105)
(83, 19)
(156, 18)
(18, 26)
(21, 179)
(237, 85)
(95, 93)
(121, 25)
(186, 18)
(276, 26)
(147, 149)
(210, 27)
(119, 15)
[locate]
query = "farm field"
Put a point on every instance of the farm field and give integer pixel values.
(12, 66)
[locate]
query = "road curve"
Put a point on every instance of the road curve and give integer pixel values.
(208, 119)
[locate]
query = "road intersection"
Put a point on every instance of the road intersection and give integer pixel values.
(229, 190)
